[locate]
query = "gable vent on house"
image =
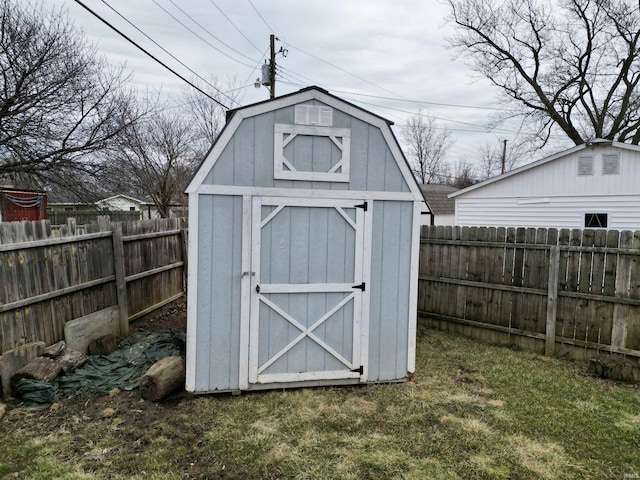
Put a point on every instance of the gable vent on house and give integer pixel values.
(313, 115)
(585, 166)
(610, 164)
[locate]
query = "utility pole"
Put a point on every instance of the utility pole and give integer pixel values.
(272, 67)
(504, 154)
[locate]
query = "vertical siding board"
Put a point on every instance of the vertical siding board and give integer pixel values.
(377, 271)
(403, 287)
(262, 163)
(389, 294)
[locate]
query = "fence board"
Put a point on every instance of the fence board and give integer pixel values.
(501, 277)
(50, 278)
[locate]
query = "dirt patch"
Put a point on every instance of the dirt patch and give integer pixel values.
(173, 315)
(121, 425)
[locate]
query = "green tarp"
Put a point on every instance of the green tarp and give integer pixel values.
(102, 373)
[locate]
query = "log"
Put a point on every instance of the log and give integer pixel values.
(72, 359)
(55, 350)
(13, 360)
(41, 368)
(164, 377)
(103, 345)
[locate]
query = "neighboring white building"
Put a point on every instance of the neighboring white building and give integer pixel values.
(126, 203)
(595, 185)
(440, 209)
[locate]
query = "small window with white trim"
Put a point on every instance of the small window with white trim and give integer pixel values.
(314, 115)
(610, 164)
(596, 220)
(311, 153)
(585, 166)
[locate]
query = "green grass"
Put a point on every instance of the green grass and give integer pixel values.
(471, 411)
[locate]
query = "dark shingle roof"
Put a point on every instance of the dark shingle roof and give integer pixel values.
(436, 196)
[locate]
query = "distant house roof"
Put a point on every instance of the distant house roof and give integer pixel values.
(551, 158)
(436, 197)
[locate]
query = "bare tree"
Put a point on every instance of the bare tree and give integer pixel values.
(156, 157)
(491, 158)
(60, 103)
(427, 148)
(208, 117)
(567, 65)
(464, 174)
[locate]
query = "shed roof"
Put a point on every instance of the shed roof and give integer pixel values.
(438, 200)
(542, 161)
(234, 117)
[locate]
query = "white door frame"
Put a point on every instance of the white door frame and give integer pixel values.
(250, 372)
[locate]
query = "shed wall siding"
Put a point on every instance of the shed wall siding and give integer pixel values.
(247, 160)
(559, 212)
(218, 292)
(560, 178)
(389, 309)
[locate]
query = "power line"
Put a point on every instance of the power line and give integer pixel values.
(234, 26)
(211, 34)
(199, 36)
(79, 2)
(165, 50)
(261, 17)
(426, 102)
(345, 71)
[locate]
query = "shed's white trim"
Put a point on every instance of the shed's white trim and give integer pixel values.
(192, 310)
(366, 295)
(306, 193)
(413, 288)
(245, 295)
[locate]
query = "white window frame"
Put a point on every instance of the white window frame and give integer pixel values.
(285, 134)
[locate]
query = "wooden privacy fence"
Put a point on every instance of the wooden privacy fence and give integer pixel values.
(49, 277)
(539, 288)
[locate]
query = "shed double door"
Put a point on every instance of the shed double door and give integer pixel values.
(307, 285)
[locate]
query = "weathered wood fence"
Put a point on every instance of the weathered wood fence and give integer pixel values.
(49, 277)
(548, 290)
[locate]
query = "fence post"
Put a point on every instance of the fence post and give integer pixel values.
(184, 236)
(623, 282)
(121, 283)
(552, 301)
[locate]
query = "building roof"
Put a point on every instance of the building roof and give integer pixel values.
(236, 116)
(542, 161)
(437, 198)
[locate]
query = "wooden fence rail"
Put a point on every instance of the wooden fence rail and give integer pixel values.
(544, 289)
(50, 277)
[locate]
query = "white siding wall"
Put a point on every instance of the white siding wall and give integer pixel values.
(554, 195)
(559, 212)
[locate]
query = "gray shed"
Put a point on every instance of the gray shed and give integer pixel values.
(304, 237)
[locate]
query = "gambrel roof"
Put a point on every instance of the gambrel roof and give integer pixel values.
(235, 118)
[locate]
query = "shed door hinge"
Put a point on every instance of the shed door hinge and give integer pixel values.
(362, 206)
(362, 286)
(359, 370)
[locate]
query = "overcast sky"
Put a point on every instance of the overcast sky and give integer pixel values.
(380, 49)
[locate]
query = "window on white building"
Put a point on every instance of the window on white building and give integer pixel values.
(595, 220)
(610, 164)
(585, 166)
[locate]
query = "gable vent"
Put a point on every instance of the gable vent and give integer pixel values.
(585, 166)
(314, 115)
(610, 164)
